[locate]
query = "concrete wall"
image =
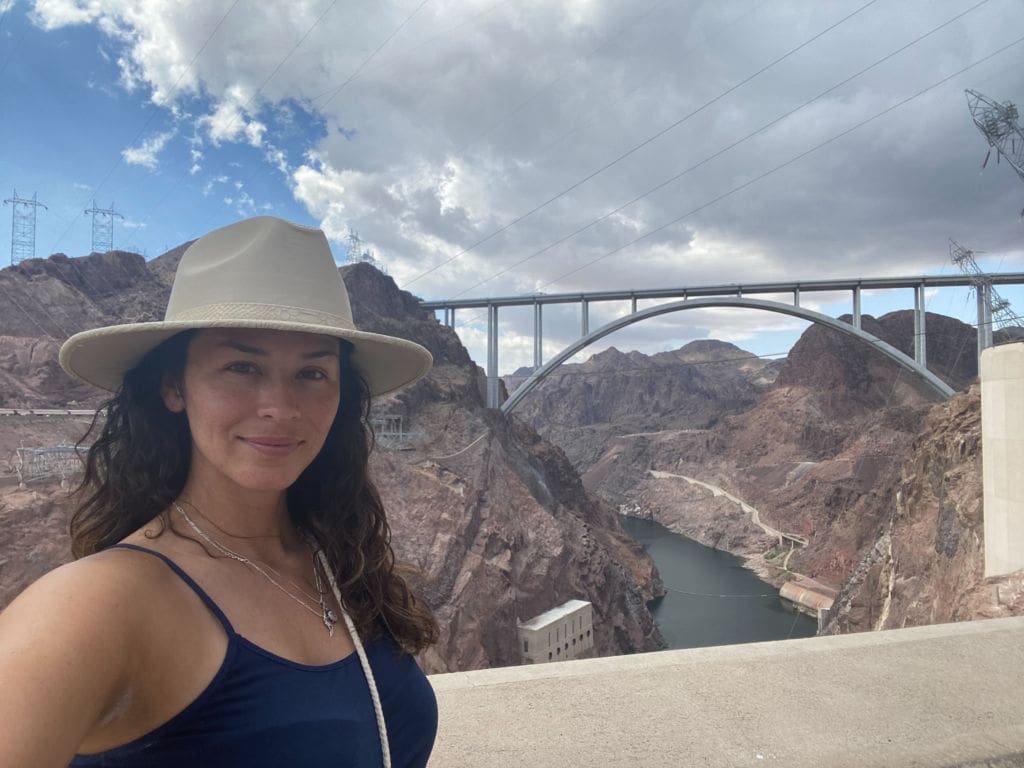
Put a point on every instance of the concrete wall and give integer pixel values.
(1002, 448)
(946, 695)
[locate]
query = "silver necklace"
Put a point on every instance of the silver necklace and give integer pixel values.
(326, 613)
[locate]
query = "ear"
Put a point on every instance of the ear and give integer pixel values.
(170, 393)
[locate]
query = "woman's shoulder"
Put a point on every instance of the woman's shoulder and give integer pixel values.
(101, 595)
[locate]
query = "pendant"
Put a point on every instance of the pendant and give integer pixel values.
(330, 619)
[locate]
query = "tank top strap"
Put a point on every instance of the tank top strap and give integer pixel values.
(207, 600)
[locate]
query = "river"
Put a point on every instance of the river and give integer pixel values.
(712, 599)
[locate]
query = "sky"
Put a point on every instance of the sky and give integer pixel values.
(483, 148)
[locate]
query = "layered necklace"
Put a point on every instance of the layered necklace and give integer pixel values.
(325, 612)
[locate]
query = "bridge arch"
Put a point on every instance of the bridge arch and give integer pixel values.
(907, 363)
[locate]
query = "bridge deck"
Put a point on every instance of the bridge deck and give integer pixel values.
(731, 289)
(945, 695)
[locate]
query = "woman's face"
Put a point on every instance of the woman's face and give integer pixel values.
(259, 403)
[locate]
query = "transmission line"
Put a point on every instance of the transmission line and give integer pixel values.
(785, 164)
(244, 107)
(376, 50)
(642, 144)
(719, 153)
(152, 116)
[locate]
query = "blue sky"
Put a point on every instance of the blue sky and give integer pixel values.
(460, 137)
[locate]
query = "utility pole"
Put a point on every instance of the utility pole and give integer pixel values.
(102, 227)
(23, 226)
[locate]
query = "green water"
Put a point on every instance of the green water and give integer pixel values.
(712, 598)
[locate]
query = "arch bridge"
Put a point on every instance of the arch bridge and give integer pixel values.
(732, 295)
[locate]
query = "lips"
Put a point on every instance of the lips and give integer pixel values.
(272, 445)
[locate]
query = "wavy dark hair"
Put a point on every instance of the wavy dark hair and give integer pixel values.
(140, 459)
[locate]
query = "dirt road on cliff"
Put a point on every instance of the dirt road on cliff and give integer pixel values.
(755, 516)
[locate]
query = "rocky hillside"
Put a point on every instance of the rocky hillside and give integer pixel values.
(580, 407)
(495, 517)
(926, 561)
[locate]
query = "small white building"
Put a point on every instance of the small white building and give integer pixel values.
(564, 632)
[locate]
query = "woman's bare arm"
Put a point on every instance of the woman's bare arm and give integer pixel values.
(66, 659)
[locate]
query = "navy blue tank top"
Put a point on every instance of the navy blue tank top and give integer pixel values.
(263, 710)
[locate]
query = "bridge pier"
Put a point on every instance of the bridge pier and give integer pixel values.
(920, 337)
(538, 335)
(584, 317)
(984, 294)
(856, 307)
(796, 296)
(1002, 445)
(493, 382)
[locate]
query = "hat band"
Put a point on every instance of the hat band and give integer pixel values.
(280, 313)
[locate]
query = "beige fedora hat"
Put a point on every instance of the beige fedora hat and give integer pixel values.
(259, 273)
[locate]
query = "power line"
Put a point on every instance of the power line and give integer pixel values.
(376, 50)
(785, 164)
(152, 115)
(683, 56)
(719, 153)
(389, 63)
(244, 107)
(338, 90)
(642, 144)
(610, 37)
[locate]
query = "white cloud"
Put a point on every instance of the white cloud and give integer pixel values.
(476, 113)
(51, 14)
(146, 153)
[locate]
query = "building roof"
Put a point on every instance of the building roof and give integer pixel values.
(553, 615)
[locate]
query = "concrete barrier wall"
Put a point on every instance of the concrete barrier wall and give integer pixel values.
(946, 695)
(1002, 447)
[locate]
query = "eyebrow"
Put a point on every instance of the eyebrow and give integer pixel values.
(263, 353)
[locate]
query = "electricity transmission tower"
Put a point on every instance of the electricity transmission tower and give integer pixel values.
(999, 125)
(23, 226)
(102, 227)
(357, 253)
(993, 310)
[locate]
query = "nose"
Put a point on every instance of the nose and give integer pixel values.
(277, 400)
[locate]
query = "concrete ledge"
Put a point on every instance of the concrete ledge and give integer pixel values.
(943, 695)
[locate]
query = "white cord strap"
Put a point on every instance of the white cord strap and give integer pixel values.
(382, 727)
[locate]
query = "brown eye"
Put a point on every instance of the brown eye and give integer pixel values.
(241, 367)
(313, 374)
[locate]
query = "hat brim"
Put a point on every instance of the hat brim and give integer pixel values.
(103, 355)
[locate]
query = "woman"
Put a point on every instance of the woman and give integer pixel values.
(235, 599)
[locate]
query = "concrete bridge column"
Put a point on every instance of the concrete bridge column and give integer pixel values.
(538, 335)
(920, 348)
(796, 296)
(632, 300)
(1002, 457)
(984, 295)
(584, 317)
(492, 356)
(856, 307)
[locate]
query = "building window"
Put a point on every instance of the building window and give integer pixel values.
(526, 646)
(558, 651)
(567, 646)
(581, 637)
(588, 633)
(574, 641)
(549, 655)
